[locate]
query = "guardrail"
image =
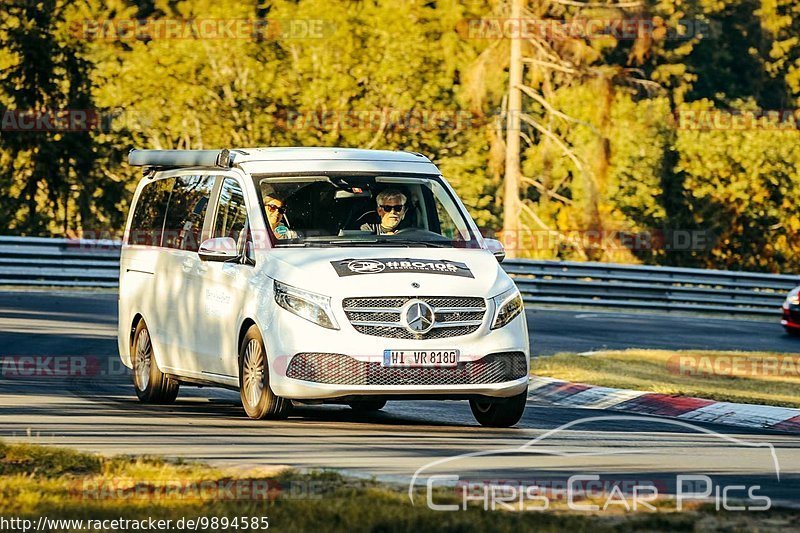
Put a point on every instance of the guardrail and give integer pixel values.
(29, 261)
(647, 287)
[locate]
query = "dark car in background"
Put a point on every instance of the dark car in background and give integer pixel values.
(791, 312)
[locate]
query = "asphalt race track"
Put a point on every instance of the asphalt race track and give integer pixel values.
(99, 411)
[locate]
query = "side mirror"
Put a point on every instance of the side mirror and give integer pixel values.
(218, 249)
(496, 247)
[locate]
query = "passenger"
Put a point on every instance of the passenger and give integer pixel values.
(391, 208)
(275, 210)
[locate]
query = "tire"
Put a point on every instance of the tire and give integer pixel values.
(499, 413)
(792, 332)
(258, 400)
(151, 385)
(367, 406)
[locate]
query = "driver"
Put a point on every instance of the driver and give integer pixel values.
(391, 208)
(274, 208)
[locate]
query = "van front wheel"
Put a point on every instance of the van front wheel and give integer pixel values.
(151, 385)
(499, 413)
(258, 400)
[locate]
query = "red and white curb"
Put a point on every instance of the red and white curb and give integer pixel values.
(579, 395)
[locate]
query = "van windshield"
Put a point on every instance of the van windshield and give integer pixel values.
(345, 210)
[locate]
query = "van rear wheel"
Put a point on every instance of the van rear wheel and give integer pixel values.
(499, 413)
(151, 385)
(258, 400)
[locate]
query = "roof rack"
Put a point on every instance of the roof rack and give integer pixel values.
(181, 158)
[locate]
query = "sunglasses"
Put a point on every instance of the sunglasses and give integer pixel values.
(272, 208)
(396, 208)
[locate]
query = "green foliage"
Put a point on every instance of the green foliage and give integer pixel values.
(742, 188)
(46, 462)
(408, 76)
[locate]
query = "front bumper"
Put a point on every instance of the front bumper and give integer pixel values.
(305, 390)
(290, 335)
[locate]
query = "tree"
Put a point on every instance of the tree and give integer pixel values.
(597, 147)
(563, 182)
(511, 185)
(45, 80)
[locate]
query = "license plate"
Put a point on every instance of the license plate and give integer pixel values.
(420, 358)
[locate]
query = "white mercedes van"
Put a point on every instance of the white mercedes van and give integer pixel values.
(315, 275)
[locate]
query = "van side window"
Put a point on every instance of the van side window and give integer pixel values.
(231, 216)
(186, 211)
(148, 215)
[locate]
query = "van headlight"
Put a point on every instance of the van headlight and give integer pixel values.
(313, 307)
(793, 298)
(507, 305)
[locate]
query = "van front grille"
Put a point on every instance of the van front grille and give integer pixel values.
(340, 369)
(380, 317)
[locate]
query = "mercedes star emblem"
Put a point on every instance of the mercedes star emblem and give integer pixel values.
(418, 317)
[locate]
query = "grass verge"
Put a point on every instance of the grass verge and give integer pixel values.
(63, 484)
(742, 377)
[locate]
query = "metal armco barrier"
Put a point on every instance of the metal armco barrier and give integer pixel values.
(32, 261)
(29, 261)
(647, 287)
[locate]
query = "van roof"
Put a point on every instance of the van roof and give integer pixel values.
(327, 154)
(227, 158)
(280, 161)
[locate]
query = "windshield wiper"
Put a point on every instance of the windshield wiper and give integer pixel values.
(339, 242)
(303, 244)
(393, 242)
(409, 242)
(357, 242)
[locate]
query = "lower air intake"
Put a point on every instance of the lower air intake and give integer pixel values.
(339, 369)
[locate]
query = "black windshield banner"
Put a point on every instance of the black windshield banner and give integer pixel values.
(355, 267)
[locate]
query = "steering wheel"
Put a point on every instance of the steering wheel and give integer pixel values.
(420, 231)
